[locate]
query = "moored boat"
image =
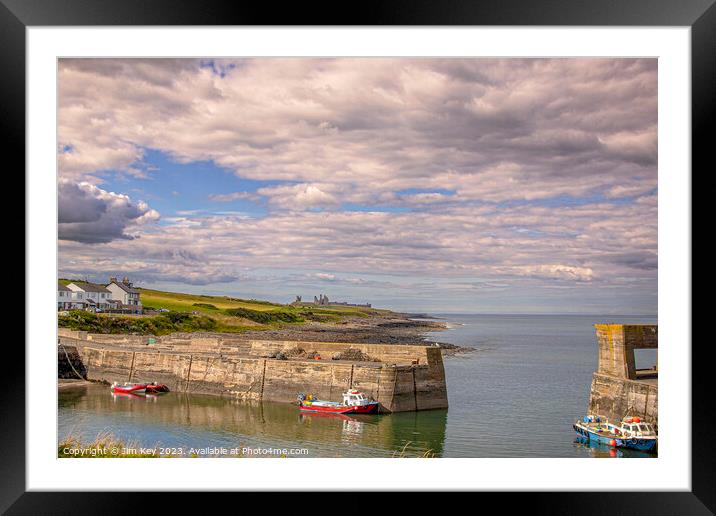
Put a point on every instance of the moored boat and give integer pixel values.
(129, 388)
(354, 402)
(631, 432)
(156, 388)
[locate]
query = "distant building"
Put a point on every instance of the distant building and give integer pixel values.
(125, 294)
(323, 300)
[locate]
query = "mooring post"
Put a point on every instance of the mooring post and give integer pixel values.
(330, 387)
(263, 379)
(131, 367)
(188, 373)
(377, 391)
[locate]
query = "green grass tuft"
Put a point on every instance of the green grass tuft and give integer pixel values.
(271, 317)
(205, 305)
(105, 446)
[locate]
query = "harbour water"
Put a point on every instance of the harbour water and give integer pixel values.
(516, 395)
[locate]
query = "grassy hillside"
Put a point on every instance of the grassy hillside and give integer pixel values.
(192, 302)
(230, 310)
(193, 312)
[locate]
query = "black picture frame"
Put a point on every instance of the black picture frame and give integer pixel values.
(17, 15)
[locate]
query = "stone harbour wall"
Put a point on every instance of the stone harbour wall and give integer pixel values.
(619, 389)
(407, 378)
(616, 398)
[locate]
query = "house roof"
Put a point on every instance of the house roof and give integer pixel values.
(61, 287)
(89, 287)
(126, 288)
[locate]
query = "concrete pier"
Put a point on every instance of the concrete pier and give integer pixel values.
(619, 389)
(405, 378)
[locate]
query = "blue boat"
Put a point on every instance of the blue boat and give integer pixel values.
(631, 432)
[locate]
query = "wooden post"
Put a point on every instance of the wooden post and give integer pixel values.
(377, 392)
(188, 373)
(263, 379)
(330, 387)
(131, 367)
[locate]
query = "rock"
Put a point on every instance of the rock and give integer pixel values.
(355, 355)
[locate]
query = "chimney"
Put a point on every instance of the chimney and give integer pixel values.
(125, 280)
(113, 279)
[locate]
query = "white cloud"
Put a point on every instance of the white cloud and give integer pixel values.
(301, 196)
(91, 215)
(234, 196)
(556, 271)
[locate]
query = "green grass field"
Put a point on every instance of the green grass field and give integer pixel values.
(230, 310)
(188, 302)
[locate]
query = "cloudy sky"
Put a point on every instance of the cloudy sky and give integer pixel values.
(442, 185)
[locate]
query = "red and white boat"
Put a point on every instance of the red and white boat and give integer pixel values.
(129, 388)
(354, 402)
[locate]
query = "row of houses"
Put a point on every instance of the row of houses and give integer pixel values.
(116, 296)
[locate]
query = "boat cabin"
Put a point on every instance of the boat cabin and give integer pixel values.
(354, 398)
(633, 427)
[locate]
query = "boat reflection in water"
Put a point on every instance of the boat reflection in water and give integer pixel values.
(189, 420)
(596, 449)
(352, 427)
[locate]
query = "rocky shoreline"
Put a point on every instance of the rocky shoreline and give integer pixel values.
(377, 328)
(393, 328)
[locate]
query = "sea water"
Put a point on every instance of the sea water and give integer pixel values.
(515, 395)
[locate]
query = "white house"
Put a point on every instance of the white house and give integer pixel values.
(123, 292)
(91, 296)
(64, 297)
(68, 299)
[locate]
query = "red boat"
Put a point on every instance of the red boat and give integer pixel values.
(354, 402)
(139, 388)
(129, 388)
(156, 388)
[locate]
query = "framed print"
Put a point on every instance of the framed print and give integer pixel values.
(431, 251)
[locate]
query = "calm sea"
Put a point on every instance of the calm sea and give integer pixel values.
(516, 395)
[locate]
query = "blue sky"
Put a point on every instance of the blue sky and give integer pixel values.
(441, 185)
(174, 188)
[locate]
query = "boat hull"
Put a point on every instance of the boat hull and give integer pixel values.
(133, 389)
(157, 388)
(369, 408)
(633, 443)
